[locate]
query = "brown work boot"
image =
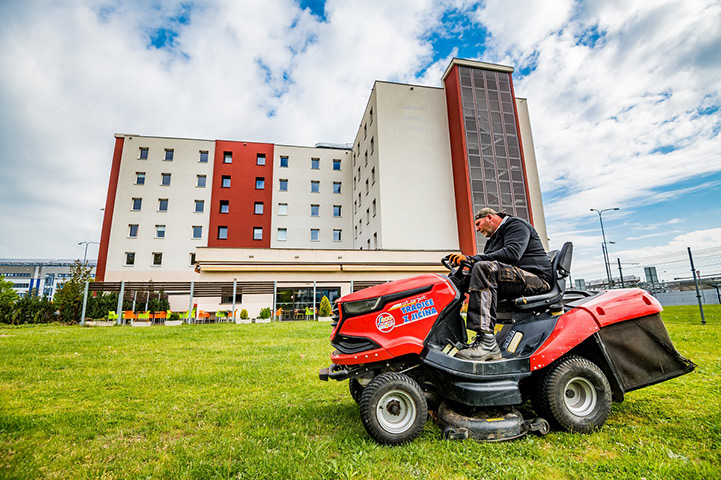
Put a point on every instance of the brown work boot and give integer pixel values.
(484, 349)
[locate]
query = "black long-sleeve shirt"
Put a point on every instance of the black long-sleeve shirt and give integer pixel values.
(516, 242)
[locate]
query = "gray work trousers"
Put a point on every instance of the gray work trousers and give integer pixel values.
(491, 280)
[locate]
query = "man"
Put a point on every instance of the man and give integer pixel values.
(513, 263)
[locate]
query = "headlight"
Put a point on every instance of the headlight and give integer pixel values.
(361, 307)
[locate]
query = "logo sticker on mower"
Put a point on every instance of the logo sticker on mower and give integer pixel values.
(385, 322)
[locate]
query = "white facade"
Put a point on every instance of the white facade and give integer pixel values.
(168, 232)
(298, 211)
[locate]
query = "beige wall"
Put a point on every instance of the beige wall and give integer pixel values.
(299, 198)
(415, 183)
(178, 220)
(534, 186)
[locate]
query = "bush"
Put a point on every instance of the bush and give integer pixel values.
(33, 309)
(264, 313)
(174, 316)
(8, 297)
(325, 309)
(244, 314)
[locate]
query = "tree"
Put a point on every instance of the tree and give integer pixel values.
(325, 309)
(69, 297)
(244, 314)
(8, 297)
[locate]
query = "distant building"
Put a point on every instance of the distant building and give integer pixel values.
(390, 204)
(44, 276)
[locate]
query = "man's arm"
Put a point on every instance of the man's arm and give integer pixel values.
(515, 241)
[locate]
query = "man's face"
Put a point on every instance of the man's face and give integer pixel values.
(485, 226)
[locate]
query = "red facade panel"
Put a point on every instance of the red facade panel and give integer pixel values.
(459, 162)
(235, 194)
(520, 144)
(109, 207)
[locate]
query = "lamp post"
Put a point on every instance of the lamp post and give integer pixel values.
(85, 256)
(604, 245)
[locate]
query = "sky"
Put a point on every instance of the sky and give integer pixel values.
(624, 99)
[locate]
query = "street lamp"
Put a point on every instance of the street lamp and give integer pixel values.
(604, 245)
(85, 256)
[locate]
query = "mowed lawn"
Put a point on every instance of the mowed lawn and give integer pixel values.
(244, 401)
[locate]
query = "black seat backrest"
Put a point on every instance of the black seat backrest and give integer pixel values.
(561, 268)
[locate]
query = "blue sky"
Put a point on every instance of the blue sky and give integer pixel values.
(624, 100)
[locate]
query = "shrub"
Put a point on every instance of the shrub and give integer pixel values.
(8, 297)
(33, 309)
(244, 314)
(264, 313)
(174, 316)
(325, 309)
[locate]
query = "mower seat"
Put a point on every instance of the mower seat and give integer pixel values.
(561, 268)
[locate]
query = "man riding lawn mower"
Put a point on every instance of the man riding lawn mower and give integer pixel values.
(403, 348)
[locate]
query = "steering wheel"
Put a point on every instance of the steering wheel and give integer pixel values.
(465, 266)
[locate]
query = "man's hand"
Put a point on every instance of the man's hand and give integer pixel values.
(455, 258)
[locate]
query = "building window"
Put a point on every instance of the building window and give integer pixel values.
(201, 179)
(367, 187)
(258, 208)
(374, 208)
(284, 162)
(336, 164)
(314, 210)
(315, 163)
(373, 175)
(225, 181)
(192, 258)
(355, 206)
(227, 157)
(140, 178)
(282, 209)
(132, 231)
(259, 183)
(169, 154)
(314, 234)
(337, 235)
(368, 216)
(225, 206)
(368, 244)
(359, 199)
(314, 186)
(366, 164)
(129, 258)
(336, 187)
(282, 234)
(257, 233)
(162, 204)
(283, 185)
(197, 232)
(157, 258)
(165, 179)
(336, 210)
(203, 159)
(365, 131)
(143, 154)
(222, 233)
(372, 146)
(370, 122)
(199, 206)
(260, 159)
(160, 231)
(375, 240)
(137, 203)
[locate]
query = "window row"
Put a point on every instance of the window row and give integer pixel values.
(314, 186)
(156, 258)
(133, 229)
(314, 163)
(259, 158)
(314, 235)
(169, 154)
(137, 205)
(200, 180)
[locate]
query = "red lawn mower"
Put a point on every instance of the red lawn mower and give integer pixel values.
(570, 352)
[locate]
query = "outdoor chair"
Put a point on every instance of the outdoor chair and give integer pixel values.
(112, 315)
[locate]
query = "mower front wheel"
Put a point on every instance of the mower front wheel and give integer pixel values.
(356, 389)
(393, 409)
(573, 395)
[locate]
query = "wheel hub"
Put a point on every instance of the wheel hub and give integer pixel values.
(580, 397)
(396, 411)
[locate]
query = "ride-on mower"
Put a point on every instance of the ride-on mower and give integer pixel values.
(570, 352)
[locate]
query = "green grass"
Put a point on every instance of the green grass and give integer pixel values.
(244, 401)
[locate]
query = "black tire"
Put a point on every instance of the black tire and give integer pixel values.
(356, 389)
(573, 395)
(393, 409)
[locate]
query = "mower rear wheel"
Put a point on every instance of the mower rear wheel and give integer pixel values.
(573, 395)
(393, 409)
(356, 389)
